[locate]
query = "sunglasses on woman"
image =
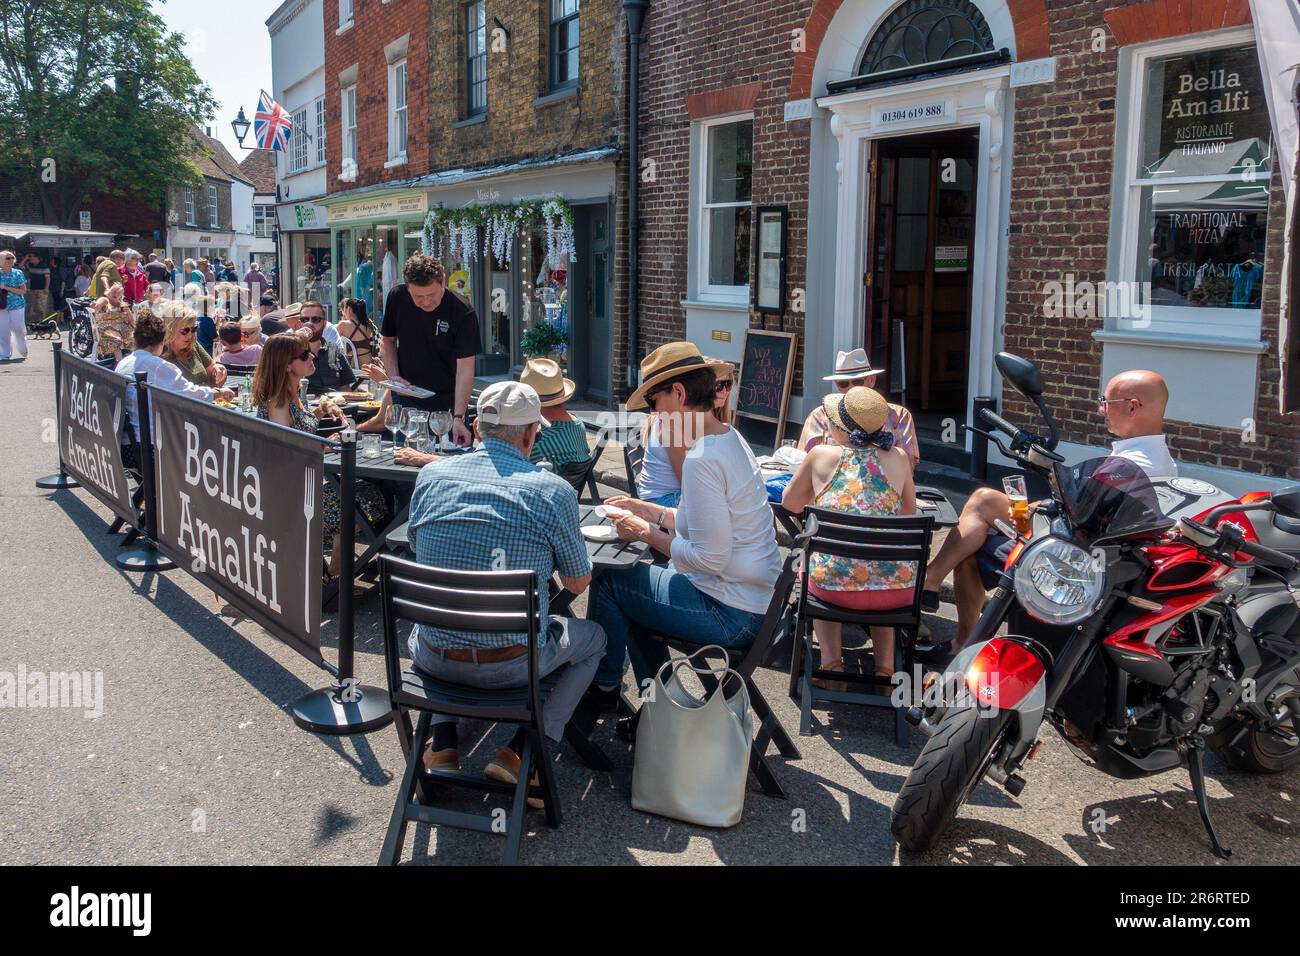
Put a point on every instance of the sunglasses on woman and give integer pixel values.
(188, 330)
(308, 354)
(722, 386)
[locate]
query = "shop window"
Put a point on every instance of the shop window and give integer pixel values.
(564, 43)
(475, 58)
(1195, 209)
(723, 176)
(544, 290)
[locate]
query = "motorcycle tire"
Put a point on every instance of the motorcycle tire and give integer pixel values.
(1256, 751)
(949, 768)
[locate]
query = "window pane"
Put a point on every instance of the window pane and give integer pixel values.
(729, 246)
(731, 153)
(1203, 244)
(1205, 115)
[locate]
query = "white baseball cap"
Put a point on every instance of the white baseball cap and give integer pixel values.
(510, 403)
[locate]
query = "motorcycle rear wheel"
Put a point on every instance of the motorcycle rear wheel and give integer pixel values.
(1257, 750)
(947, 771)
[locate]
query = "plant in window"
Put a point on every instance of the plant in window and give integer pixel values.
(543, 339)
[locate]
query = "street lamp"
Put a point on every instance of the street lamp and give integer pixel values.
(240, 125)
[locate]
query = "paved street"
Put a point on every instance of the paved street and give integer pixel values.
(195, 760)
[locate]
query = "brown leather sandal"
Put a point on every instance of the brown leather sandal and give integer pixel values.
(824, 683)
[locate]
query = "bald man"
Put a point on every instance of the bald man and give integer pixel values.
(975, 551)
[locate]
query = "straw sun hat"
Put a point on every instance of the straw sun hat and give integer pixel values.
(668, 362)
(546, 378)
(867, 410)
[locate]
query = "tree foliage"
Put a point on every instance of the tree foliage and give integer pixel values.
(103, 89)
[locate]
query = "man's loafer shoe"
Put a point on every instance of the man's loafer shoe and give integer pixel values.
(505, 767)
(446, 759)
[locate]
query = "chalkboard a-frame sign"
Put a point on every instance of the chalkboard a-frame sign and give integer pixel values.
(766, 374)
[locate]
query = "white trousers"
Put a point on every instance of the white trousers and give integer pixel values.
(13, 324)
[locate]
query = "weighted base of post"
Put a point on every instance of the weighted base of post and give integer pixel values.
(56, 482)
(325, 712)
(144, 559)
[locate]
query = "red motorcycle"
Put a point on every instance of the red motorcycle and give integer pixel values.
(1144, 626)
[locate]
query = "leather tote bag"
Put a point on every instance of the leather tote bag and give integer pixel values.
(692, 753)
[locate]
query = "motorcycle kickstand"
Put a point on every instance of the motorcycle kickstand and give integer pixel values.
(1196, 769)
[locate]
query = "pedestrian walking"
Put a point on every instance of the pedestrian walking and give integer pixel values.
(13, 308)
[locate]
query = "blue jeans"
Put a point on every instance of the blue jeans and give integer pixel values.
(656, 599)
(670, 500)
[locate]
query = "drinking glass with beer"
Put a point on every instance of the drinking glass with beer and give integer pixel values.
(1014, 486)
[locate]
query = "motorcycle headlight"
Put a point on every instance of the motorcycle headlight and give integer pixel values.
(1058, 582)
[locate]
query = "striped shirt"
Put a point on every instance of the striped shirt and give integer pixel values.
(564, 443)
(493, 510)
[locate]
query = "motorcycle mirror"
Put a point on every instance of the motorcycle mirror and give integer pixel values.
(1021, 373)
(1287, 502)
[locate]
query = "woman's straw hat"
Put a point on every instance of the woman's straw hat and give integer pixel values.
(867, 409)
(548, 381)
(667, 362)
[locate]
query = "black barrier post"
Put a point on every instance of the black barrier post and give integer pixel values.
(349, 707)
(61, 480)
(147, 556)
(979, 446)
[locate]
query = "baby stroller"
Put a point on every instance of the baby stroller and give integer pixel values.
(46, 328)
(81, 327)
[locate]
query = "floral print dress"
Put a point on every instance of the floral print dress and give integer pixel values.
(859, 486)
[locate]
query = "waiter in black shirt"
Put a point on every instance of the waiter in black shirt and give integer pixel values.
(429, 338)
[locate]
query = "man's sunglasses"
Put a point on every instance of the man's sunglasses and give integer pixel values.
(1104, 401)
(313, 319)
(722, 386)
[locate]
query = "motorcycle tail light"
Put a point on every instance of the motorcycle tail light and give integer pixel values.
(1058, 582)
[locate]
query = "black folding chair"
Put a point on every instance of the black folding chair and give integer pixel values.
(582, 474)
(239, 369)
(744, 661)
(482, 602)
(862, 538)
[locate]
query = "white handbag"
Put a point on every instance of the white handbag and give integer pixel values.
(692, 754)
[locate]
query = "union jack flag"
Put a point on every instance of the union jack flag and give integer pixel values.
(272, 126)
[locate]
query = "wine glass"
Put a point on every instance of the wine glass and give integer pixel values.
(440, 425)
(392, 420)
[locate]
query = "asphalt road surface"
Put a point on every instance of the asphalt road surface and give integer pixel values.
(195, 759)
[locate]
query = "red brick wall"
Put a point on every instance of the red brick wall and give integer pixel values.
(375, 26)
(695, 49)
(1060, 222)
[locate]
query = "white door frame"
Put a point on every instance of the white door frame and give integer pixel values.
(977, 99)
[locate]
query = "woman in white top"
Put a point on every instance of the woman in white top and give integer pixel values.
(660, 481)
(721, 537)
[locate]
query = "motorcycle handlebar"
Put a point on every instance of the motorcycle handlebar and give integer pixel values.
(1268, 555)
(998, 422)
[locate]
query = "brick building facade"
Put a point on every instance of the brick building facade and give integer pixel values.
(936, 210)
(505, 104)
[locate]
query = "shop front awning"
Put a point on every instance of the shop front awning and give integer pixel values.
(49, 237)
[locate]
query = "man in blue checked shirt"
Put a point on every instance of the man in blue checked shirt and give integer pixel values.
(495, 510)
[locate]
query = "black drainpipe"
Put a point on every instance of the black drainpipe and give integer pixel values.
(635, 10)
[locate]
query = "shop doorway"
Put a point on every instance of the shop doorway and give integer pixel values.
(920, 256)
(589, 328)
